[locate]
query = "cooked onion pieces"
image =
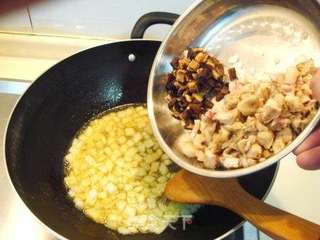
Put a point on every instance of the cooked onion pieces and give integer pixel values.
(116, 174)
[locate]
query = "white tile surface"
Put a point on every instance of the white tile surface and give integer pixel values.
(17, 20)
(262, 236)
(296, 190)
(250, 232)
(99, 17)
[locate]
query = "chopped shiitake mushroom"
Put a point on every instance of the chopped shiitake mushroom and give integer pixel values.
(195, 80)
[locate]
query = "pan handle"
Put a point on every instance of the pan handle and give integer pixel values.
(150, 19)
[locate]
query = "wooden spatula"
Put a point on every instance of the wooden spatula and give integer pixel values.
(186, 187)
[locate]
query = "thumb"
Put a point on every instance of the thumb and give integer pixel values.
(315, 85)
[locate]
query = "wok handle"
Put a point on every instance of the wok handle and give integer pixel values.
(150, 19)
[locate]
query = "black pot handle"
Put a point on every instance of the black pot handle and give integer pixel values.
(150, 19)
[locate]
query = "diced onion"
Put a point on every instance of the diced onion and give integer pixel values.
(116, 174)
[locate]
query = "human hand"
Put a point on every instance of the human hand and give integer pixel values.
(308, 153)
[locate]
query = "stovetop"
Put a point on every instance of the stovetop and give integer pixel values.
(16, 221)
(294, 190)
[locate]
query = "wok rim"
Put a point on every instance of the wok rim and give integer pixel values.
(12, 185)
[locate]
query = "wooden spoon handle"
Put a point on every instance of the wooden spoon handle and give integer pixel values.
(191, 188)
(274, 222)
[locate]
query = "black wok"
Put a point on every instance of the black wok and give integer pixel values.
(59, 103)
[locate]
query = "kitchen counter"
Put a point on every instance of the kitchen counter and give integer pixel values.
(25, 56)
(294, 190)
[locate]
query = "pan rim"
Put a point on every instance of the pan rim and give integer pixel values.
(38, 220)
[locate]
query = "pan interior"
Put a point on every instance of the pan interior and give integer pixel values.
(56, 106)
